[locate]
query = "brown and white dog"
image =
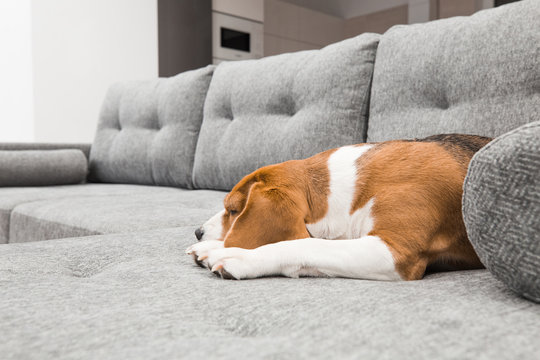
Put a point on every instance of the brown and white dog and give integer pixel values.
(381, 211)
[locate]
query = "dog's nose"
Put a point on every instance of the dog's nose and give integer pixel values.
(199, 233)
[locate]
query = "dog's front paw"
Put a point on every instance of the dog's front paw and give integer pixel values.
(200, 251)
(233, 263)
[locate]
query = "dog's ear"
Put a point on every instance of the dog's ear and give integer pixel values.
(269, 215)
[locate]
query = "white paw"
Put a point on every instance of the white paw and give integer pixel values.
(200, 250)
(234, 263)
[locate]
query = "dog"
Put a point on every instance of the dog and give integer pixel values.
(375, 211)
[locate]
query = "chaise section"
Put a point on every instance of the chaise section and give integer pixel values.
(40, 213)
(290, 106)
(138, 296)
(83, 216)
(474, 75)
(10, 197)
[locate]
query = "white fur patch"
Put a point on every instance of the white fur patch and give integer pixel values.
(364, 258)
(213, 228)
(200, 250)
(338, 223)
(361, 221)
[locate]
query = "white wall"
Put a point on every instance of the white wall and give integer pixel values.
(16, 115)
(249, 9)
(289, 27)
(79, 48)
(419, 11)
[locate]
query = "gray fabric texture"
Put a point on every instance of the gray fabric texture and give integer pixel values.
(290, 106)
(138, 296)
(42, 167)
(85, 148)
(83, 216)
(471, 75)
(23, 228)
(501, 208)
(148, 130)
(11, 197)
(4, 225)
(97, 194)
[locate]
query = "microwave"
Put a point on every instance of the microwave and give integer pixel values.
(235, 38)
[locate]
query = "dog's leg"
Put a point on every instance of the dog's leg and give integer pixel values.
(200, 250)
(210, 237)
(364, 258)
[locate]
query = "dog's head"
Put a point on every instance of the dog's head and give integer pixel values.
(266, 206)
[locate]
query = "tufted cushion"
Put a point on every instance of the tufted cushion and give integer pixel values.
(151, 207)
(501, 208)
(148, 130)
(289, 106)
(474, 75)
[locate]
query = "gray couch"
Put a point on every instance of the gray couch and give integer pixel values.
(112, 280)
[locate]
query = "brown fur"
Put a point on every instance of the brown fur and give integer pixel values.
(275, 202)
(417, 212)
(417, 186)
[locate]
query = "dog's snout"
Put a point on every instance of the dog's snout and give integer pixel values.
(199, 233)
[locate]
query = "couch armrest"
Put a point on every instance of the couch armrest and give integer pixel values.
(42, 167)
(85, 148)
(501, 208)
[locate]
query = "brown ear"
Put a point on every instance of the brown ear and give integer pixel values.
(270, 215)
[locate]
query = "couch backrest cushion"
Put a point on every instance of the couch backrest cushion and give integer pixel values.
(290, 106)
(147, 131)
(474, 75)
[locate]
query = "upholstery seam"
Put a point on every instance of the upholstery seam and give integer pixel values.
(8, 222)
(12, 210)
(368, 93)
(55, 223)
(367, 104)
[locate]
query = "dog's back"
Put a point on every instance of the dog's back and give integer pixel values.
(459, 145)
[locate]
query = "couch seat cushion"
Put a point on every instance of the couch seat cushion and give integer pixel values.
(473, 75)
(33, 201)
(10, 197)
(138, 296)
(83, 216)
(290, 106)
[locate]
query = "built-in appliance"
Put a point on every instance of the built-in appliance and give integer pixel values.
(235, 38)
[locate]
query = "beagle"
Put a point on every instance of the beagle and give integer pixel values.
(380, 211)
